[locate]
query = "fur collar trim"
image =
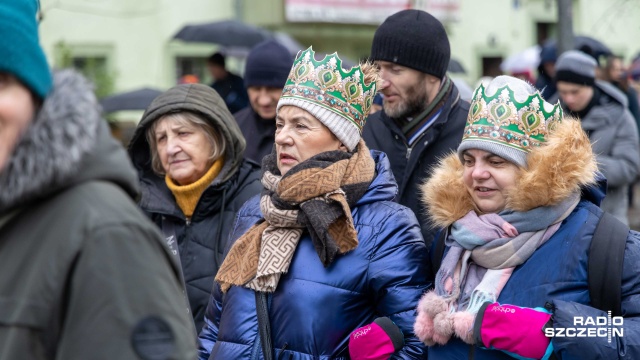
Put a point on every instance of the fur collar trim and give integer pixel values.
(50, 152)
(560, 167)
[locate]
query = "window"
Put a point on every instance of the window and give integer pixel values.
(491, 66)
(545, 31)
(95, 69)
(192, 65)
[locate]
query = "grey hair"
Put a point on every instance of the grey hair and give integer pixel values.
(218, 142)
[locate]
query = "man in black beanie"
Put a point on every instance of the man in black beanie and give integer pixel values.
(603, 112)
(423, 116)
(266, 71)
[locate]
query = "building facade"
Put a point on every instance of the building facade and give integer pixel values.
(130, 43)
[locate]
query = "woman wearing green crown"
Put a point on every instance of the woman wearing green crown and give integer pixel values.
(323, 250)
(520, 205)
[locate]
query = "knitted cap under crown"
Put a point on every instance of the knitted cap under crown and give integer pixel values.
(508, 119)
(338, 98)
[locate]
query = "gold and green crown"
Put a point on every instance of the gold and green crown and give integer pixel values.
(326, 84)
(502, 119)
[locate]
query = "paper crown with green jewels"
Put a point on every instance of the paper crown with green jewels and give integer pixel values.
(339, 98)
(508, 118)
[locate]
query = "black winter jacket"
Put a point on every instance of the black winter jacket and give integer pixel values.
(411, 166)
(259, 133)
(203, 239)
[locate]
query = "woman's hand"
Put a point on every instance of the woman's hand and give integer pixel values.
(513, 329)
(376, 341)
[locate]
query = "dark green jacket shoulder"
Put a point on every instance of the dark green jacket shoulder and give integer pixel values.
(86, 275)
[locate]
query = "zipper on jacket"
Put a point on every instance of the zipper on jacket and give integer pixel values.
(185, 241)
(410, 148)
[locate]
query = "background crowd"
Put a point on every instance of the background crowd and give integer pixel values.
(317, 211)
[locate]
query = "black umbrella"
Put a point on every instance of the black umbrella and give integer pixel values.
(585, 44)
(131, 100)
(227, 33)
(455, 67)
(289, 42)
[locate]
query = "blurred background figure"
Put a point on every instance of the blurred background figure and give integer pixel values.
(188, 152)
(266, 71)
(466, 92)
(229, 85)
(547, 72)
(603, 113)
(616, 74)
(85, 274)
(457, 72)
(633, 79)
(522, 65)
(634, 75)
(524, 75)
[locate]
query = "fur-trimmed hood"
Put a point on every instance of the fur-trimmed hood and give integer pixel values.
(67, 143)
(554, 171)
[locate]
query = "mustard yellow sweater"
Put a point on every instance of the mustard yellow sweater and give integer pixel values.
(187, 196)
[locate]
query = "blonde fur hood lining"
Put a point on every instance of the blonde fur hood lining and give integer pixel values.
(554, 171)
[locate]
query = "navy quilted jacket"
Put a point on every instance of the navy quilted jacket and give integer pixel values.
(314, 309)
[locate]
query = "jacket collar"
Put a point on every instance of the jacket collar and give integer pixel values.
(450, 103)
(384, 186)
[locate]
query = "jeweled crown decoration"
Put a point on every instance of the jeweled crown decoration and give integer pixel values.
(502, 119)
(327, 84)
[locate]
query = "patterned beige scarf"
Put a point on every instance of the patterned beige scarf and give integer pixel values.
(317, 196)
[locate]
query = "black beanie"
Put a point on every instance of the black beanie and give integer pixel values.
(268, 64)
(415, 39)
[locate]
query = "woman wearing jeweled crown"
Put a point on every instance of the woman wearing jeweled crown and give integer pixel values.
(518, 205)
(323, 250)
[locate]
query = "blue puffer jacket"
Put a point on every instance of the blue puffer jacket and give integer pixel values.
(314, 309)
(557, 273)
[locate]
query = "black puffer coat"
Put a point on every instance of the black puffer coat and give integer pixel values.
(412, 165)
(203, 239)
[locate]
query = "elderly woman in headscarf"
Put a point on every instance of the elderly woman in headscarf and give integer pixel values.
(323, 250)
(188, 151)
(519, 209)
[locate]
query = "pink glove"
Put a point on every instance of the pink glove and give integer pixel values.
(376, 341)
(514, 330)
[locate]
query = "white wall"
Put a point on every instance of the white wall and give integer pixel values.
(614, 22)
(135, 34)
